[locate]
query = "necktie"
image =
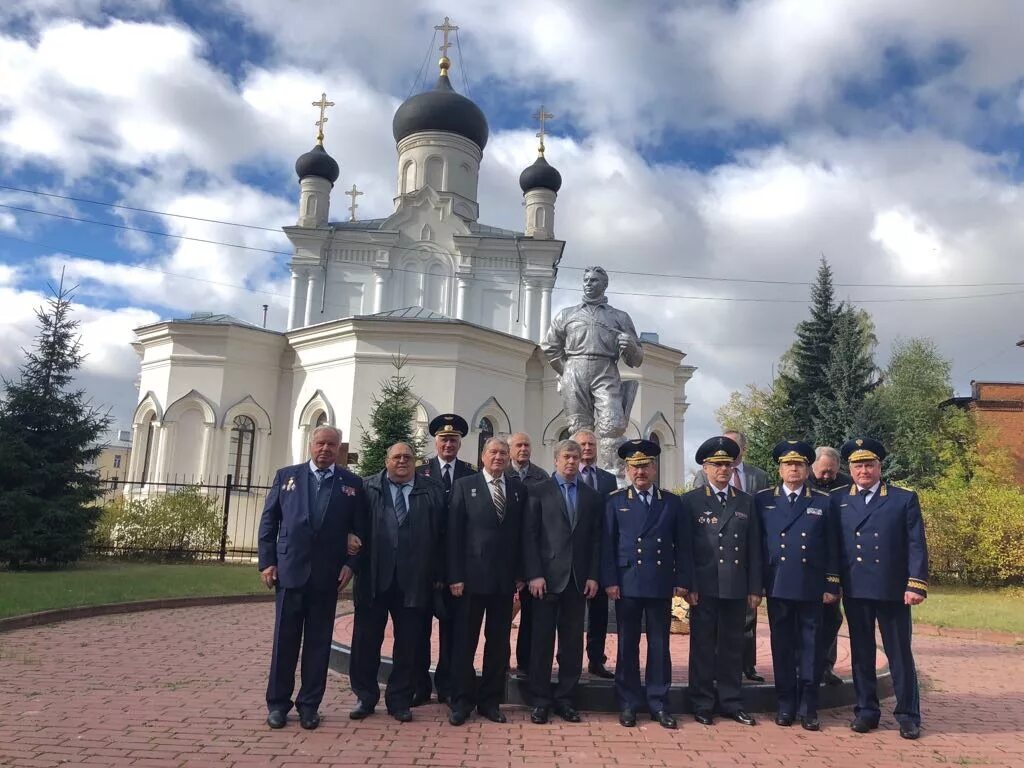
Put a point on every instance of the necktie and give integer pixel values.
(645, 496)
(323, 497)
(590, 476)
(865, 493)
(321, 475)
(722, 497)
(523, 472)
(401, 510)
(498, 496)
(569, 489)
(736, 481)
(792, 498)
(446, 478)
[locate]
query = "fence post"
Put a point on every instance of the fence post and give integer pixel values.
(224, 528)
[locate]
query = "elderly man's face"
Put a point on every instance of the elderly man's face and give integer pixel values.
(825, 468)
(793, 473)
(866, 473)
(594, 285)
(521, 449)
(567, 464)
(447, 446)
(641, 475)
(495, 458)
(588, 444)
(400, 463)
(324, 447)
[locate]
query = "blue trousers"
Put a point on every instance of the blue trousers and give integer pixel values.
(796, 627)
(304, 618)
(629, 612)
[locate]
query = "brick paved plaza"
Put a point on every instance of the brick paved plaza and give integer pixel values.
(185, 688)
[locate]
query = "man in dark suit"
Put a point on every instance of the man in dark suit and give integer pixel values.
(727, 581)
(883, 567)
(604, 483)
(561, 557)
(801, 573)
(749, 479)
(521, 451)
(402, 560)
(484, 573)
(825, 476)
(646, 559)
(311, 510)
(446, 467)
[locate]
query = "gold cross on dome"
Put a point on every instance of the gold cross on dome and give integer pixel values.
(542, 117)
(353, 193)
(323, 104)
(444, 28)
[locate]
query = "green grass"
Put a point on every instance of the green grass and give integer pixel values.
(95, 583)
(995, 608)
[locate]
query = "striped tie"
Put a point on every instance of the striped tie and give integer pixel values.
(498, 496)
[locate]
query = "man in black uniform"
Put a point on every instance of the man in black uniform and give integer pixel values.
(445, 468)
(727, 580)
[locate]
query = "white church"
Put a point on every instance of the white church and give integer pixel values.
(466, 303)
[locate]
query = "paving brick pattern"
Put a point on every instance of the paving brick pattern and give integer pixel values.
(185, 688)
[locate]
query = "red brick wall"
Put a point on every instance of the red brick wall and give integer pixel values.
(1000, 406)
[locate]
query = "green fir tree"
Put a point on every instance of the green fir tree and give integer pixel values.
(391, 421)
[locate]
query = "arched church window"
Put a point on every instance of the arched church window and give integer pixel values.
(243, 437)
(426, 233)
(539, 218)
(409, 177)
(486, 428)
(435, 173)
(564, 434)
(656, 439)
(147, 457)
(321, 419)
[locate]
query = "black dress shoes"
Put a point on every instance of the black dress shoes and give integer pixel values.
(494, 714)
(402, 715)
(810, 723)
(540, 715)
(831, 678)
(742, 717)
(567, 713)
(458, 717)
(627, 718)
(276, 718)
(309, 720)
(704, 718)
(752, 676)
(784, 720)
(862, 725)
(665, 720)
(910, 731)
(599, 670)
(361, 711)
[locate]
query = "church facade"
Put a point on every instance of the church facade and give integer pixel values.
(464, 304)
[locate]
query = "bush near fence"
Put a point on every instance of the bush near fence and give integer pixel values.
(183, 525)
(975, 534)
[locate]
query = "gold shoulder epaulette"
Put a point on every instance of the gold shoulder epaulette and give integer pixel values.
(820, 492)
(766, 490)
(616, 492)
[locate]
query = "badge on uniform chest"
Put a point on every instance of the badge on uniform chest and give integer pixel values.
(707, 520)
(472, 492)
(815, 511)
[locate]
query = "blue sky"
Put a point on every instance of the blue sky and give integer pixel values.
(725, 140)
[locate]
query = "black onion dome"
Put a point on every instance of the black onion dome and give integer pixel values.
(540, 175)
(317, 162)
(441, 109)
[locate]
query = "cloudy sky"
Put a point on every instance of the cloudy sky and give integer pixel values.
(711, 152)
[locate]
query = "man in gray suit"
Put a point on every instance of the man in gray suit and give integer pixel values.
(750, 480)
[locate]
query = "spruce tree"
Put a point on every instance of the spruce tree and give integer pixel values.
(391, 421)
(849, 377)
(49, 437)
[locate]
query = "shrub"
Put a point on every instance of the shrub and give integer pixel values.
(183, 525)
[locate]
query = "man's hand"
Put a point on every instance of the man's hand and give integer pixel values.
(354, 545)
(538, 587)
(624, 342)
(268, 576)
(344, 577)
(912, 598)
(680, 592)
(590, 589)
(457, 589)
(692, 597)
(830, 599)
(614, 593)
(520, 586)
(753, 601)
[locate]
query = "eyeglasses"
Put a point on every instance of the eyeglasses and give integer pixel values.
(402, 457)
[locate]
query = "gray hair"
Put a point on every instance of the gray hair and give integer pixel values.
(499, 440)
(742, 438)
(827, 450)
(325, 428)
(582, 432)
(567, 446)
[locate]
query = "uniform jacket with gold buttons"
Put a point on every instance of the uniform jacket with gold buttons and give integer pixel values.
(801, 544)
(726, 543)
(645, 551)
(882, 548)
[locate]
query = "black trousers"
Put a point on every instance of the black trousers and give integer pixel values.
(525, 637)
(303, 618)
(629, 613)
(597, 628)
(494, 612)
(796, 627)
(560, 614)
(446, 641)
(750, 639)
(894, 623)
(367, 637)
(832, 621)
(716, 654)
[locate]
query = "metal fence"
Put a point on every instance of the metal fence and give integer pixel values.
(239, 508)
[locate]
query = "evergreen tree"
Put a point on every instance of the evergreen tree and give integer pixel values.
(848, 377)
(391, 421)
(49, 436)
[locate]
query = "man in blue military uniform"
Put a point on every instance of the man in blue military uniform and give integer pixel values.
(883, 567)
(645, 559)
(801, 573)
(727, 580)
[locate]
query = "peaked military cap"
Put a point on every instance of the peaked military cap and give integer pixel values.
(718, 450)
(636, 453)
(793, 451)
(449, 424)
(862, 449)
